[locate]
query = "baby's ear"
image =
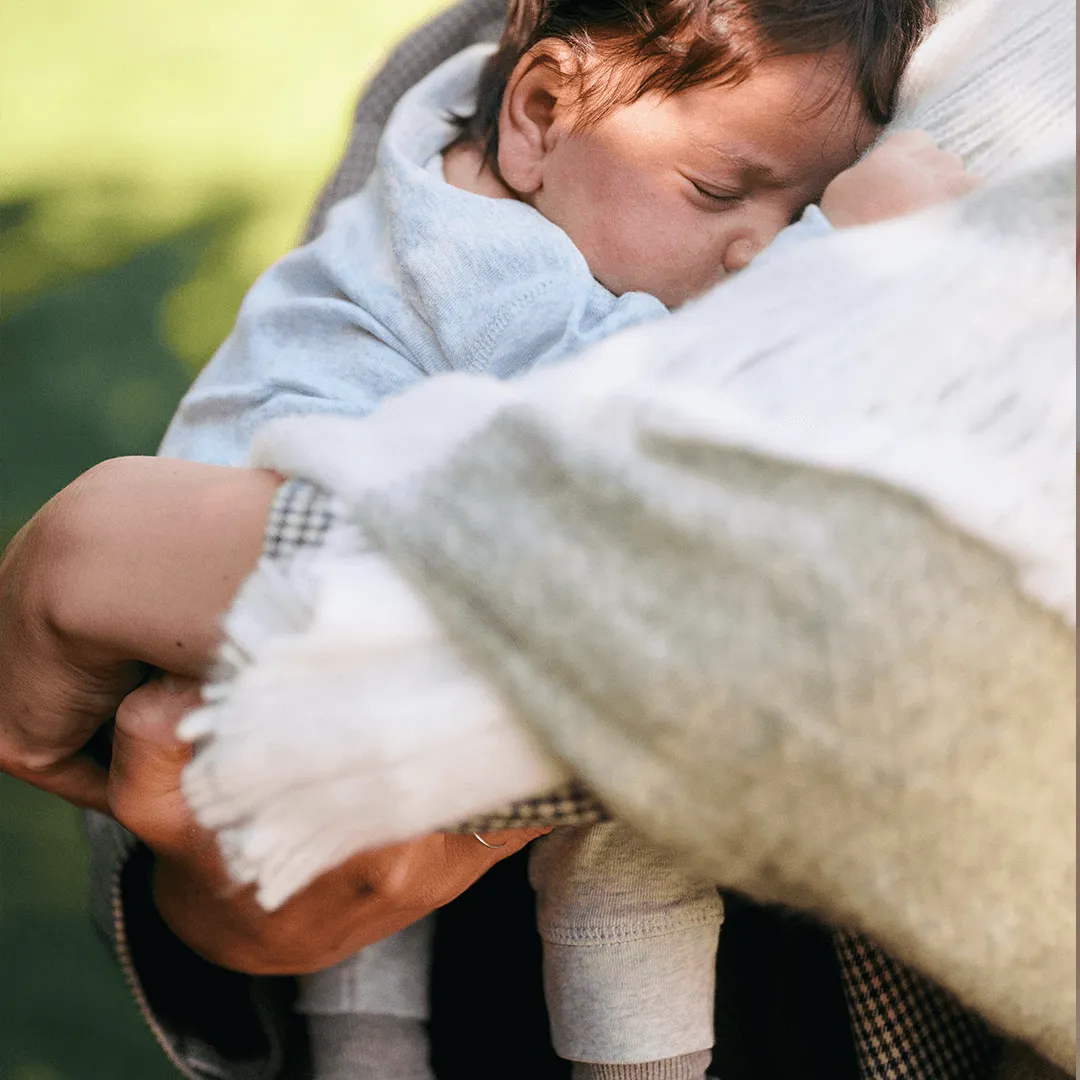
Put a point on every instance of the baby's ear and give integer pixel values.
(538, 105)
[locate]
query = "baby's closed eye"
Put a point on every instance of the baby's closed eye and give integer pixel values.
(716, 196)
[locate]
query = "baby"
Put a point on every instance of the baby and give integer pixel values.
(603, 164)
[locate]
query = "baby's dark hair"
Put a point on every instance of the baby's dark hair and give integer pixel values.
(667, 46)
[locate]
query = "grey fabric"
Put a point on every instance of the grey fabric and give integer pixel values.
(388, 978)
(629, 946)
(369, 1047)
(730, 773)
(683, 1067)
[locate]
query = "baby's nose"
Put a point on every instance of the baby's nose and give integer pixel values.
(739, 254)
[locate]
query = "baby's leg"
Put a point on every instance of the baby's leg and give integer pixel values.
(352, 1046)
(629, 955)
(367, 1016)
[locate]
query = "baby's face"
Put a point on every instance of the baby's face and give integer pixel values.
(668, 195)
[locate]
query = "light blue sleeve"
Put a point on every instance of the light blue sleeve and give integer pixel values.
(302, 344)
(514, 306)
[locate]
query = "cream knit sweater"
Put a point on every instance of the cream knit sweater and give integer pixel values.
(787, 579)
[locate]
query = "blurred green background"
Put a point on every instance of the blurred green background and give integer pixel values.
(154, 158)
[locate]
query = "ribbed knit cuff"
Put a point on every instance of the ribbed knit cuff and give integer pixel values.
(683, 1067)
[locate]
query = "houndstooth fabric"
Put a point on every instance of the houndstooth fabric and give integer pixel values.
(904, 1027)
(300, 517)
(566, 805)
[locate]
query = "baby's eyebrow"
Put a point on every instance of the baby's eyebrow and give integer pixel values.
(749, 167)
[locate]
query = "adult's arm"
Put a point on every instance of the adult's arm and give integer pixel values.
(130, 566)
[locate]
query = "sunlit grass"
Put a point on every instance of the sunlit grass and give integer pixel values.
(126, 122)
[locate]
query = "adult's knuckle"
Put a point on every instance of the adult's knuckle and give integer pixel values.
(63, 608)
(153, 710)
(30, 762)
(390, 881)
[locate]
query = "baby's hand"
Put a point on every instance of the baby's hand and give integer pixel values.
(907, 172)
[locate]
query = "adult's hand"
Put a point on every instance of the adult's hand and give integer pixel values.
(365, 899)
(130, 565)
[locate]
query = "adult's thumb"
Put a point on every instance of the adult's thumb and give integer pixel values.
(147, 760)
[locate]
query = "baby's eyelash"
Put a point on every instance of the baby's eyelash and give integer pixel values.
(715, 196)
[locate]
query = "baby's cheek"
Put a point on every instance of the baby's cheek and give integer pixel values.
(632, 260)
(642, 242)
(675, 265)
(636, 238)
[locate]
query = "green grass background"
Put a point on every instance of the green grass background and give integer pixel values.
(154, 158)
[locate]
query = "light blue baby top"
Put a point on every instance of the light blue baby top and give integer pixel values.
(411, 277)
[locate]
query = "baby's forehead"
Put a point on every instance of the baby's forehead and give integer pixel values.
(789, 115)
